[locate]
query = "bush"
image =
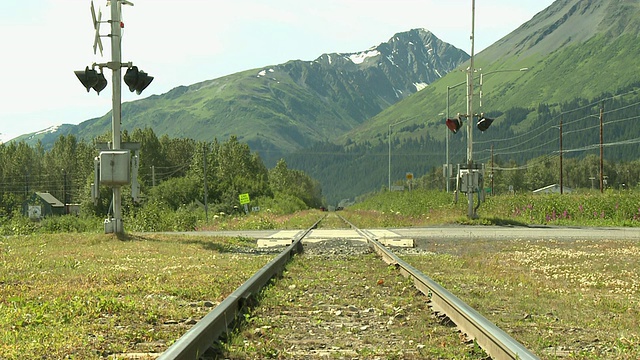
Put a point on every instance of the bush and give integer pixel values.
(22, 225)
(69, 223)
(281, 204)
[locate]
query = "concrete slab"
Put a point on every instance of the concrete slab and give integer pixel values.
(273, 242)
(407, 243)
(285, 237)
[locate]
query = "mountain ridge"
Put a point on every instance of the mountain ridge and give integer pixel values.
(283, 107)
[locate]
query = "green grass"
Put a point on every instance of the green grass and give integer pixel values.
(559, 298)
(87, 296)
(353, 307)
(419, 208)
(83, 295)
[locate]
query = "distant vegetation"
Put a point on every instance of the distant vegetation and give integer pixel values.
(425, 207)
(522, 147)
(172, 181)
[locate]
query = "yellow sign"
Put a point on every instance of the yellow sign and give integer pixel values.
(409, 176)
(244, 199)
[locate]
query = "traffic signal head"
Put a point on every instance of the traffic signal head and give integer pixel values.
(454, 124)
(100, 84)
(88, 78)
(137, 80)
(484, 122)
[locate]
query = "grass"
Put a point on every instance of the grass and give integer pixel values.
(576, 299)
(81, 295)
(420, 208)
(353, 307)
(264, 220)
(88, 296)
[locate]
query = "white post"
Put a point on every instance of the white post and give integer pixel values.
(470, 119)
(116, 81)
(448, 178)
(389, 139)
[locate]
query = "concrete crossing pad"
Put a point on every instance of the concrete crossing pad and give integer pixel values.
(285, 237)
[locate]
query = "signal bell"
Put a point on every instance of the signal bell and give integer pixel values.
(137, 80)
(454, 124)
(484, 122)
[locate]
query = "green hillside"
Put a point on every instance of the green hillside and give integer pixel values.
(280, 108)
(578, 59)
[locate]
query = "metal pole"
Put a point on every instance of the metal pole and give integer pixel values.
(116, 56)
(492, 166)
(470, 211)
(447, 141)
(206, 189)
(601, 151)
(389, 138)
(561, 183)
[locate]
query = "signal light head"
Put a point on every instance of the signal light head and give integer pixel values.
(100, 84)
(88, 77)
(484, 123)
(137, 80)
(454, 124)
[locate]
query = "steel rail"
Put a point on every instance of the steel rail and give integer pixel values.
(193, 344)
(493, 340)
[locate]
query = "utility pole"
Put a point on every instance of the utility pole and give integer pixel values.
(470, 211)
(492, 166)
(561, 184)
(601, 150)
(206, 190)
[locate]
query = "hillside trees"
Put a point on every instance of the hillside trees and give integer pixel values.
(295, 183)
(176, 166)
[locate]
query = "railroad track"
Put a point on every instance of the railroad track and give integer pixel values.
(202, 336)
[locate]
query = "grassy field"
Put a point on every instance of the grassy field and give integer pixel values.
(87, 296)
(576, 299)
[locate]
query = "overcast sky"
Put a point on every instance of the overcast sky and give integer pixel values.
(181, 42)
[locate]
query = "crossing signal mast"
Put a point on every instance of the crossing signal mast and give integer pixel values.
(114, 167)
(470, 176)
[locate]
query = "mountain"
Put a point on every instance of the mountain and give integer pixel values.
(280, 108)
(576, 54)
(573, 49)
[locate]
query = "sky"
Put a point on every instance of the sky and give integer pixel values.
(181, 42)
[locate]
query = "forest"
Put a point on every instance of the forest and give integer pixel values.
(171, 175)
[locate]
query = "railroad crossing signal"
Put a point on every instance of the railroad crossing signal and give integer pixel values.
(97, 43)
(454, 124)
(484, 122)
(137, 80)
(91, 79)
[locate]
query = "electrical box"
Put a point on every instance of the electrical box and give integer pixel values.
(115, 167)
(469, 181)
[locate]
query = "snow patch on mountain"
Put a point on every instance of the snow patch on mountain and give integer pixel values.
(420, 86)
(49, 130)
(359, 58)
(264, 72)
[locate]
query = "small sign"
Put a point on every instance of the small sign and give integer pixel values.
(409, 176)
(244, 198)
